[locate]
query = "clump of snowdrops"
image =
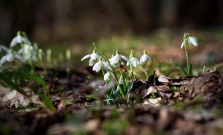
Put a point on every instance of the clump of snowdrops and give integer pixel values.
(115, 68)
(13, 66)
(21, 51)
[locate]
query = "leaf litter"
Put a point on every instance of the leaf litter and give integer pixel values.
(191, 105)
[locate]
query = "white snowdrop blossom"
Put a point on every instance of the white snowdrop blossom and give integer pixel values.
(134, 61)
(93, 57)
(190, 40)
(27, 51)
(10, 57)
(18, 40)
(193, 40)
(98, 66)
(117, 58)
(145, 58)
(108, 75)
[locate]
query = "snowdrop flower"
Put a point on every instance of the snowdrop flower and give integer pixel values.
(18, 40)
(93, 57)
(108, 75)
(145, 58)
(190, 40)
(10, 57)
(99, 65)
(27, 51)
(117, 58)
(134, 61)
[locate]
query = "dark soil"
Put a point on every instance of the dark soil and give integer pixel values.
(191, 105)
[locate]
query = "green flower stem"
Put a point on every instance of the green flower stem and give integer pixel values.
(31, 62)
(32, 66)
(43, 64)
(130, 61)
(123, 81)
(188, 66)
(113, 71)
(68, 57)
(49, 57)
(147, 71)
(55, 64)
(61, 58)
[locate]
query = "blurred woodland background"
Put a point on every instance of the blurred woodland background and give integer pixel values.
(76, 20)
(72, 22)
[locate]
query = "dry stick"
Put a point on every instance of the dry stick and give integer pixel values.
(159, 93)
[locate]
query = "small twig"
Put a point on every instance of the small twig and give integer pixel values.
(159, 93)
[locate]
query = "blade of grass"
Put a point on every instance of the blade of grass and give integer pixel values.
(36, 78)
(12, 85)
(45, 99)
(31, 77)
(182, 69)
(131, 84)
(190, 68)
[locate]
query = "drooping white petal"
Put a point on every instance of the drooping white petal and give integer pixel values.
(125, 58)
(135, 62)
(107, 76)
(97, 66)
(94, 56)
(149, 58)
(25, 40)
(91, 62)
(115, 59)
(182, 45)
(3, 59)
(2, 47)
(27, 51)
(16, 40)
(19, 39)
(86, 56)
(9, 57)
(127, 64)
(143, 58)
(193, 40)
(13, 42)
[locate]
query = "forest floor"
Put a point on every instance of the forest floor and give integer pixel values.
(175, 104)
